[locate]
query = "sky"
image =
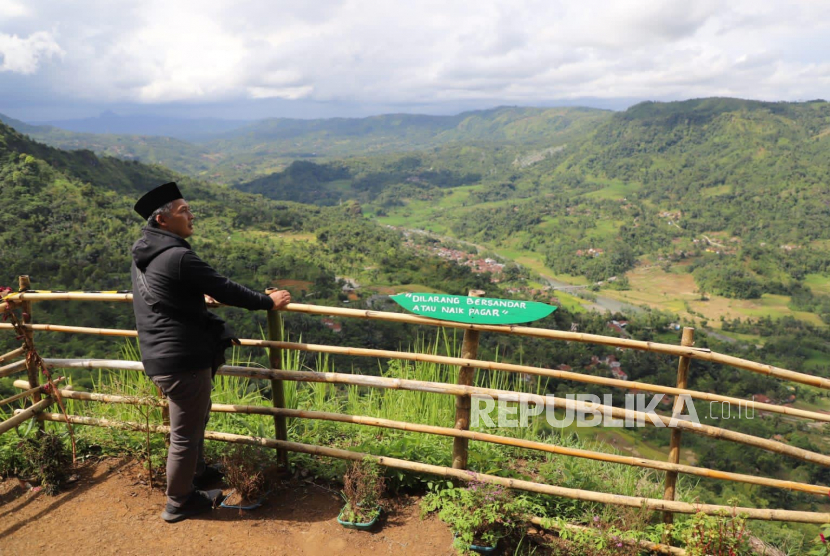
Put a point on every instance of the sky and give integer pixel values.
(270, 58)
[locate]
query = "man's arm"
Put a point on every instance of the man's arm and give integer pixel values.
(194, 270)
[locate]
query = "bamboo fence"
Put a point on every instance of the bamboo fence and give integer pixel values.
(477, 364)
(464, 392)
(457, 433)
(461, 390)
(655, 504)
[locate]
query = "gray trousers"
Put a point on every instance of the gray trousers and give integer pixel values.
(188, 395)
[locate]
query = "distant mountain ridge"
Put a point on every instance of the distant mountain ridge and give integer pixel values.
(185, 129)
(245, 151)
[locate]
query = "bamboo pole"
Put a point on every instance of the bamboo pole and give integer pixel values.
(688, 339)
(469, 350)
(11, 355)
(21, 416)
(39, 295)
(668, 349)
(653, 504)
(76, 330)
(3, 306)
(467, 434)
(277, 388)
(29, 392)
(491, 365)
(455, 390)
(12, 368)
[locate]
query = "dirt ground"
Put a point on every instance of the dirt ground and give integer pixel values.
(108, 511)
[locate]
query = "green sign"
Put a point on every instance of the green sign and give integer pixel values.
(477, 310)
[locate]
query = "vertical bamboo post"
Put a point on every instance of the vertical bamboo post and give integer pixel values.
(277, 390)
(469, 350)
(24, 284)
(687, 340)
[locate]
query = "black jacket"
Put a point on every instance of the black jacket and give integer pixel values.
(178, 333)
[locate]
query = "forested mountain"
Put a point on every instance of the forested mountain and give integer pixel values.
(736, 188)
(403, 132)
(247, 151)
(739, 188)
(185, 129)
(175, 154)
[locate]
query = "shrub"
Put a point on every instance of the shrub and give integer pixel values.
(480, 513)
(363, 485)
(246, 471)
(48, 459)
(720, 535)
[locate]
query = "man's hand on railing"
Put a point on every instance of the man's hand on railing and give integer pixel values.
(281, 298)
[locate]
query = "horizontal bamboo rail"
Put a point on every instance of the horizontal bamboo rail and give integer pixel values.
(456, 390)
(30, 391)
(654, 504)
(479, 364)
(13, 368)
(643, 544)
(65, 296)
(75, 330)
(668, 349)
(11, 355)
(457, 433)
(3, 307)
(21, 416)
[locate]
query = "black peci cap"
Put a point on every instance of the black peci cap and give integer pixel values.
(156, 198)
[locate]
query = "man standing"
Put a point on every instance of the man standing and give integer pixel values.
(182, 343)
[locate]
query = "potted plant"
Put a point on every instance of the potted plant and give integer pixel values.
(245, 470)
(363, 485)
(479, 514)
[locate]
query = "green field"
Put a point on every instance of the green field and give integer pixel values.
(615, 190)
(819, 283)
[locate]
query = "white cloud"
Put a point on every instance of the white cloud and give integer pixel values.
(24, 55)
(11, 8)
(383, 51)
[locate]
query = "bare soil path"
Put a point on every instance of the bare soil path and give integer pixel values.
(109, 511)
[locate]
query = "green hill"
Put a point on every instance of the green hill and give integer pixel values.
(175, 154)
(266, 146)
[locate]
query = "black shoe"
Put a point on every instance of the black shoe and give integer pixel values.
(212, 474)
(200, 501)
